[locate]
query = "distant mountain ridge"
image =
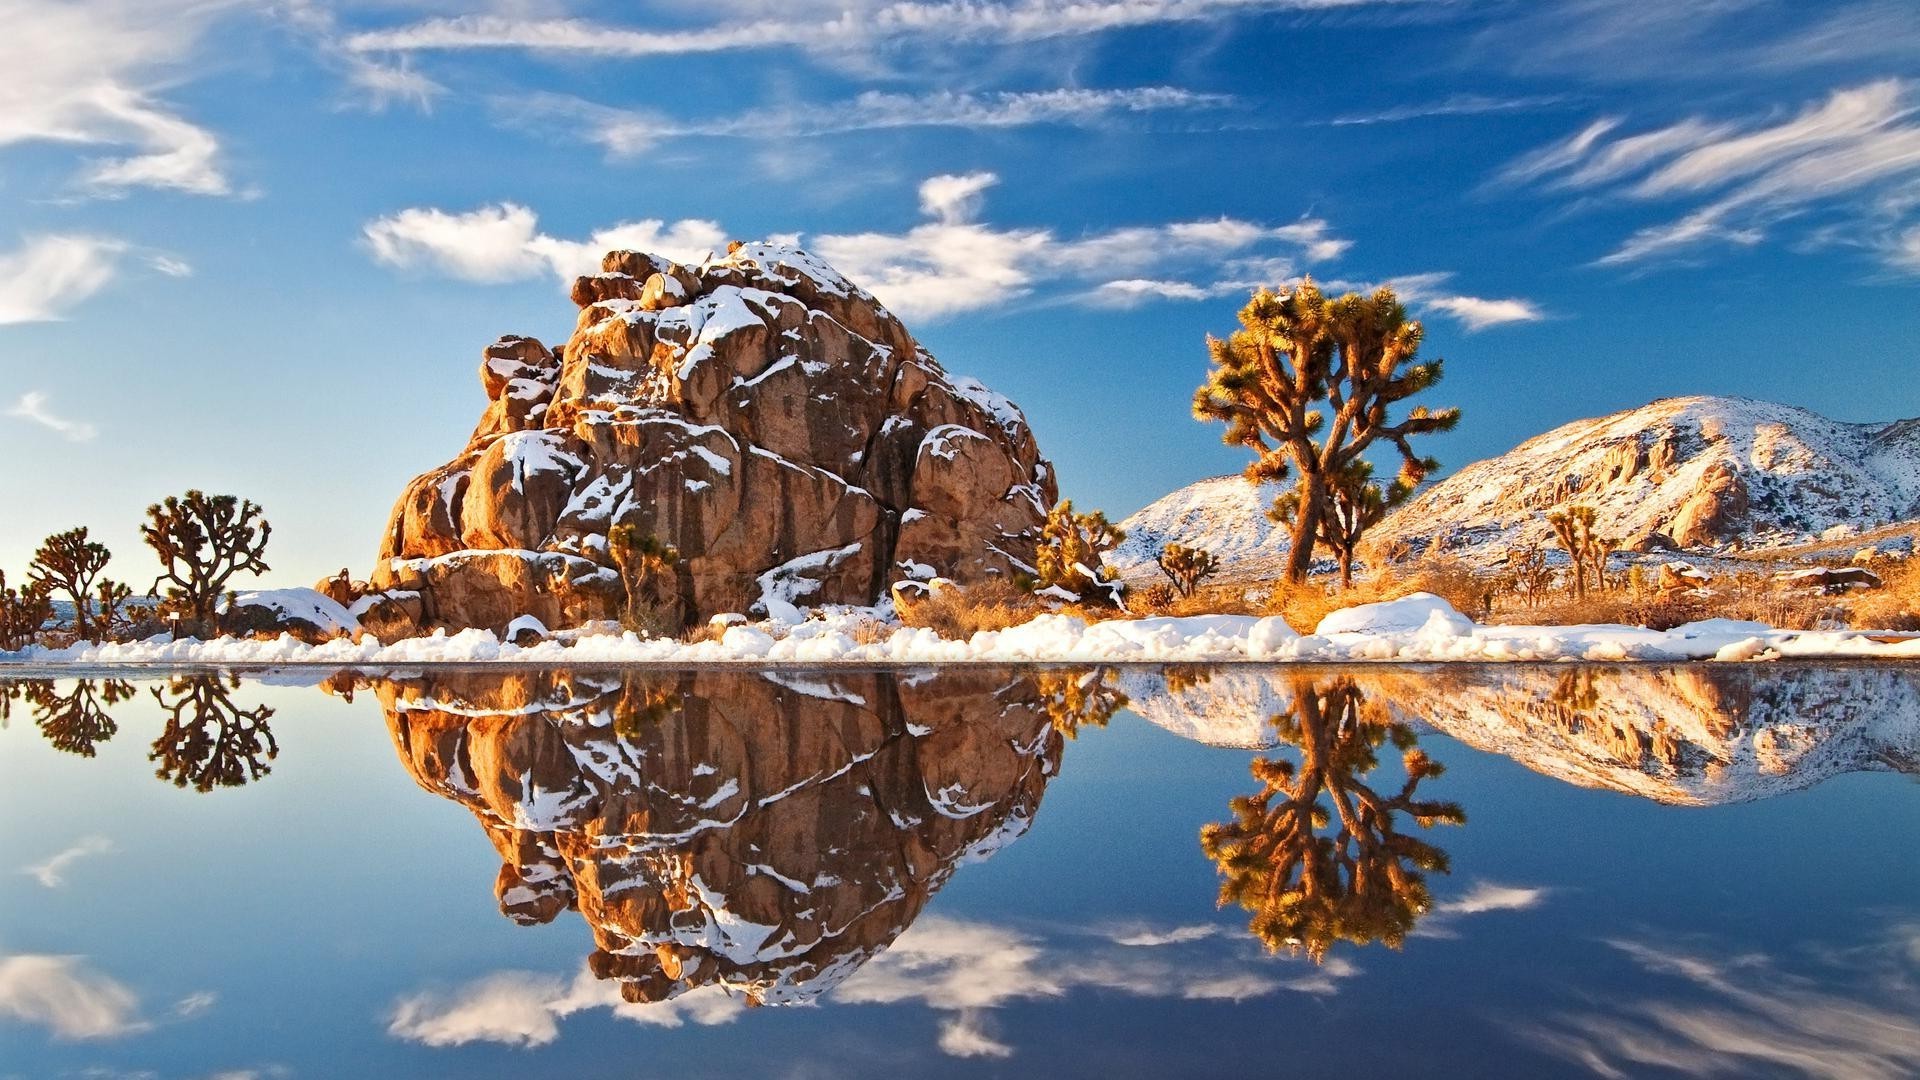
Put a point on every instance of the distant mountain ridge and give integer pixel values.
(1694, 473)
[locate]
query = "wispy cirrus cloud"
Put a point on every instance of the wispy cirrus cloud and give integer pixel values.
(34, 407)
(1742, 1014)
(88, 73)
(1453, 105)
(51, 872)
(855, 25)
(1853, 156)
(625, 132)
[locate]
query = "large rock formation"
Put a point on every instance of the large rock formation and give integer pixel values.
(759, 833)
(1696, 473)
(759, 413)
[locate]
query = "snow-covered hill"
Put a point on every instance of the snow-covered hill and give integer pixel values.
(1695, 473)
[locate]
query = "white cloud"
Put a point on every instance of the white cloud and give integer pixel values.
(51, 873)
(966, 1036)
(1478, 313)
(520, 1008)
(1149, 938)
(954, 263)
(194, 1004)
(1854, 156)
(1486, 896)
(503, 243)
(624, 132)
(377, 84)
(62, 995)
(1742, 1016)
(1452, 105)
(85, 73)
(49, 274)
(32, 406)
(859, 25)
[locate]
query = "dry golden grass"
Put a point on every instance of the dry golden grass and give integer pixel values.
(958, 613)
(1896, 606)
(1304, 605)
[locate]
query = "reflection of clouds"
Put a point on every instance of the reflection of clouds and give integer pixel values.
(194, 1004)
(525, 1008)
(1147, 938)
(51, 873)
(62, 995)
(1749, 1015)
(964, 968)
(1484, 897)
(961, 969)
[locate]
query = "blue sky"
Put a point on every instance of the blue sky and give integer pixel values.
(257, 247)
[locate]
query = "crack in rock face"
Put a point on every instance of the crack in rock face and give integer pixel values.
(761, 415)
(765, 834)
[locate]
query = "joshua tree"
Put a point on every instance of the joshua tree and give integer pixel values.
(1587, 551)
(203, 541)
(1296, 352)
(1527, 571)
(69, 563)
(1356, 504)
(1361, 881)
(644, 564)
(23, 611)
(1072, 547)
(209, 741)
(1078, 699)
(77, 721)
(1186, 567)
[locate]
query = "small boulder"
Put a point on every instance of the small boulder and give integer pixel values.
(1681, 577)
(307, 614)
(1830, 578)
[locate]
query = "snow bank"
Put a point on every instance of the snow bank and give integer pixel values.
(1421, 627)
(307, 605)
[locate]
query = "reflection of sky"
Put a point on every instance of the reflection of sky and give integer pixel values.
(333, 919)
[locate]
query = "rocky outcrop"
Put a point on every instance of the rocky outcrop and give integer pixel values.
(759, 413)
(1694, 473)
(768, 834)
(307, 615)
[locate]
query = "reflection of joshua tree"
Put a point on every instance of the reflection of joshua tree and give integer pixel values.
(1362, 883)
(209, 741)
(643, 704)
(1575, 706)
(1077, 699)
(76, 721)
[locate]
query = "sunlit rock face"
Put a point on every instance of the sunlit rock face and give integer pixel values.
(1687, 735)
(759, 413)
(767, 834)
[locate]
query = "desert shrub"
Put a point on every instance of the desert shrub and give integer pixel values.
(1896, 606)
(957, 613)
(1072, 551)
(1157, 598)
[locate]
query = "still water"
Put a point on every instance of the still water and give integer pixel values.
(1516, 870)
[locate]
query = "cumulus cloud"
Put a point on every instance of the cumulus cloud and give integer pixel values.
(87, 73)
(521, 1008)
(47, 275)
(856, 26)
(61, 994)
(33, 407)
(51, 872)
(1853, 156)
(955, 263)
(503, 242)
(626, 132)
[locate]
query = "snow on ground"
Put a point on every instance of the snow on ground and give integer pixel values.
(1420, 627)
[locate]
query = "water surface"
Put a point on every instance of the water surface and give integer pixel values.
(1519, 870)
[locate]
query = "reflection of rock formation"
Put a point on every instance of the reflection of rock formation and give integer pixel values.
(1318, 855)
(766, 833)
(1688, 734)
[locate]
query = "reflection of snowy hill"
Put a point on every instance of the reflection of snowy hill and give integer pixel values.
(1691, 735)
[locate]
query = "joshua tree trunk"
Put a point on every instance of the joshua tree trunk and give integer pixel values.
(1306, 528)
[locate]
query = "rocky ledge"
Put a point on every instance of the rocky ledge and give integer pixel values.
(760, 414)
